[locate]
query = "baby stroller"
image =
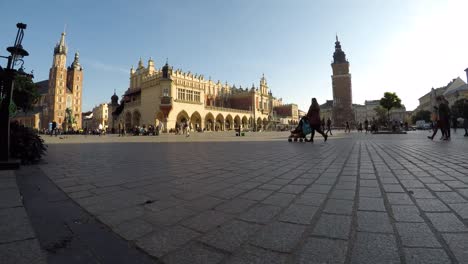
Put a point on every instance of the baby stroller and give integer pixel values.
(301, 131)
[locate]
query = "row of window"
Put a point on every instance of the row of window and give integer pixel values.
(188, 95)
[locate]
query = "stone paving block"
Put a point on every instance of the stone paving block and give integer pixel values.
(333, 226)
(22, 252)
(279, 182)
(456, 184)
(428, 180)
(343, 194)
(446, 222)
(315, 199)
(374, 222)
(237, 205)
(438, 187)
(168, 216)
(370, 192)
(458, 244)
(162, 242)
(322, 250)
(268, 186)
(14, 225)
(194, 253)
(426, 256)
(412, 183)
(399, 198)
(417, 235)
(255, 255)
(432, 205)
(298, 214)
(230, 236)
(339, 206)
(279, 236)
(374, 248)
(279, 199)
(203, 203)
(371, 204)
(406, 213)
(393, 188)
(368, 183)
(294, 189)
(421, 193)
(463, 192)
(460, 209)
(451, 197)
(316, 188)
(10, 198)
(206, 220)
(257, 194)
(260, 213)
(326, 180)
(133, 229)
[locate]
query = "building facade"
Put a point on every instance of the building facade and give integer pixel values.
(342, 91)
(100, 117)
(62, 91)
(172, 97)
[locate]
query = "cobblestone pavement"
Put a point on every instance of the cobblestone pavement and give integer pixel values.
(18, 242)
(357, 199)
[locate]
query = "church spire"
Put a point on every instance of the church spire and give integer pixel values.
(61, 47)
(76, 62)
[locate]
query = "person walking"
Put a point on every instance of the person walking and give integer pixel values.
(441, 119)
(347, 127)
(313, 116)
(329, 127)
(366, 125)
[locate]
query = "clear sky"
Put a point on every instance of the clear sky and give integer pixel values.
(403, 46)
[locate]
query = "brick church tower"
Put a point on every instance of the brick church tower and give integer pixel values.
(64, 88)
(342, 93)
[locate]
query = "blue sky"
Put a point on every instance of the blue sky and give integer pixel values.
(401, 46)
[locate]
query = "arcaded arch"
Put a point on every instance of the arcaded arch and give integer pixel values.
(228, 122)
(136, 118)
(128, 120)
(219, 122)
(237, 121)
(209, 122)
(182, 117)
(159, 118)
(245, 121)
(196, 120)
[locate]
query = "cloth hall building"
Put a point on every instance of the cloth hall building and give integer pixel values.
(171, 97)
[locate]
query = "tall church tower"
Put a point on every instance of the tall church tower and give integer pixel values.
(342, 93)
(65, 85)
(75, 85)
(57, 84)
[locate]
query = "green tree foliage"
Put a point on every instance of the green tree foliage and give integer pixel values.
(381, 114)
(422, 115)
(25, 93)
(459, 108)
(389, 101)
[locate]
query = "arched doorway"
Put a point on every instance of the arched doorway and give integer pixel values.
(245, 122)
(228, 122)
(219, 123)
(159, 118)
(128, 120)
(136, 118)
(195, 120)
(182, 117)
(259, 123)
(237, 121)
(209, 122)
(265, 123)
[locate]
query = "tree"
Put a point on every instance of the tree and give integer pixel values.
(381, 114)
(422, 115)
(458, 108)
(389, 101)
(25, 93)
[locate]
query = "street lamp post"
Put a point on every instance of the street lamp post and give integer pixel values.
(7, 77)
